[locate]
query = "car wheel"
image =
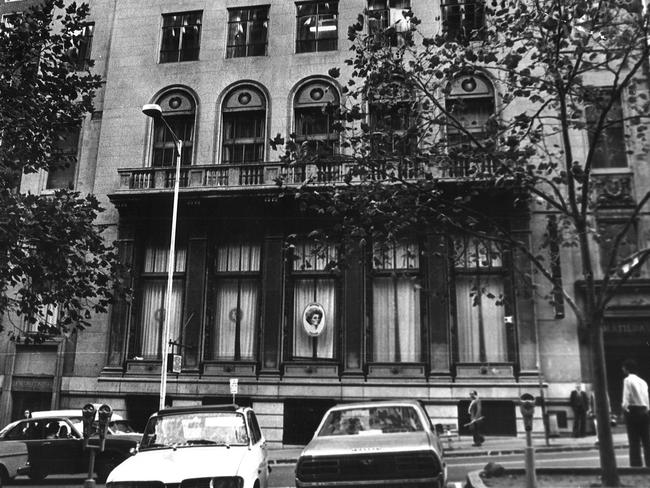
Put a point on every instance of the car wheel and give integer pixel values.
(104, 468)
(36, 474)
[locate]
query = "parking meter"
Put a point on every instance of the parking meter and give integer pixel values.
(88, 416)
(104, 417)
(527, 408)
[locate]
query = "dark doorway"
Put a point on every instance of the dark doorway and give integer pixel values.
(500, 419)
(618, 349)
(140, 407)
(29, 400)
(301, 417)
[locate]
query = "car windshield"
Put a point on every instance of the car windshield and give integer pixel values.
(192, 428)
(371, 420)
(121, 427)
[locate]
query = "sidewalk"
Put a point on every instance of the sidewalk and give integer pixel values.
(493, 446)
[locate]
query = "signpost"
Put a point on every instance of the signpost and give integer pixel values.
(234, 386)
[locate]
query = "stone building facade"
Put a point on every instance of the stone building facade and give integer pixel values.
(229, 75)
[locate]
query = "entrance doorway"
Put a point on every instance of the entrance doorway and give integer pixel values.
(618, 348)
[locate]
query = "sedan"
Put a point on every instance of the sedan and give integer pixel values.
(373, 444)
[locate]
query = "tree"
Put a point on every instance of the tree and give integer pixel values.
(55, 268)
(438, 127)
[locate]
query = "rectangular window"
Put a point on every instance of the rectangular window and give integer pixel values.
(243, 136)
(11, 20)
(164, 148)
(385, 14)
(181, 37)
(235, 301)
(463, 20)
(314, 125)
(390, 123)
(479, 302)
(80, 54)
(313, 284)
(62, 175)
(396, 314)
(610, 149)
(153, 289)
(247, 32)
(317, 27)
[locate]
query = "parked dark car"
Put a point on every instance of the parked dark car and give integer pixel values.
(373, 444)
(55, 446)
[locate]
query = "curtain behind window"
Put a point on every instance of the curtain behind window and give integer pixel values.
(152, 316)
(322, 291)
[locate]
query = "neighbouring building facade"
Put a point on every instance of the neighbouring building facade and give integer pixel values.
(229, 75)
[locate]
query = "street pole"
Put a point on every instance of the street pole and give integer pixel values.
(155, 112)
(171, 265)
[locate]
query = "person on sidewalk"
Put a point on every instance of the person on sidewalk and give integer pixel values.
(475, 418)
(635, 409)
(579, 404)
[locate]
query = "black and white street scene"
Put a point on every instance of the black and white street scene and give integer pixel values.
(325, 244)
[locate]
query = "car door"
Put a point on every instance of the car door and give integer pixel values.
(258, 448)
(31, 433)
(61, 449)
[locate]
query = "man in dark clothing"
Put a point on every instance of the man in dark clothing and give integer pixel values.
(476, 418)
(635, 407)
(580, 405)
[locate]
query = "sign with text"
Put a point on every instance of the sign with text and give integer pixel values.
(234, 385)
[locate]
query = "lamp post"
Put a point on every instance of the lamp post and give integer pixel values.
(155, 112)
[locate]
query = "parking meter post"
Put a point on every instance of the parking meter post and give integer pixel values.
(104, 416)
(527, 408)
(90, 481)
(88, 416)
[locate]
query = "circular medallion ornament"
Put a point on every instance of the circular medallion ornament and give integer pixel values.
(316, 93)
(175, 102)
(468, 84)
(235, 314)
(313, 319)
(244, 98)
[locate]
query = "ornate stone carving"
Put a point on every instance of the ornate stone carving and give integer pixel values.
(614, 190)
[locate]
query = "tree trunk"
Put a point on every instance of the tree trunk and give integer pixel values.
(605, 441)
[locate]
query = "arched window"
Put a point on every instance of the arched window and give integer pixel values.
(314, 108)
(179, 111)
(244, 126)
(471, 104)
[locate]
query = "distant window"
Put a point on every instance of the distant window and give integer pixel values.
(181, 37)
(9, 21)
(383, 14)
(62, 172)
(610, 149)
(80, 54)
(244, 123)
(179, 110)
(247, 31)
(314, 110)
(317, 27)
(463, 20)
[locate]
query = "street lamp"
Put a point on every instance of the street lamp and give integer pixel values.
(155, 112)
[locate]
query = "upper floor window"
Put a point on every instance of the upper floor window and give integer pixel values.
(314, 110)
(480, 312)
(234, 300)
(396, 313)
(11, 20)
(317, 26)
(181, 37)
(470, 105)
(247, 31)
(610, 149)
(392, 120)
(385, 14)
(179, 111)
(244, 123)
(62, 173)
(463, 20)
(314, 301)
(80, 54)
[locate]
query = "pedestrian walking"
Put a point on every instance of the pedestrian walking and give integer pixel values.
(635, 409)
(579, 402)
(475, 411)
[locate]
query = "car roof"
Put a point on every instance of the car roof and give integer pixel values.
(378, 403)
(233, 407)
(69, 412)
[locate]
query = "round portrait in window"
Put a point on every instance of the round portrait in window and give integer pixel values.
(313, 319)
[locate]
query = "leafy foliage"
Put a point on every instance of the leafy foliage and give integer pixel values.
(52, 255)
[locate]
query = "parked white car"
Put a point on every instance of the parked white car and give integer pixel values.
(218, 446)
(117, 425)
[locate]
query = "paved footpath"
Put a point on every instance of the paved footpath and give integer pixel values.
(493, 446)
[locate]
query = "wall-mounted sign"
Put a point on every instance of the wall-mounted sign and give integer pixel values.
(313, 319)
